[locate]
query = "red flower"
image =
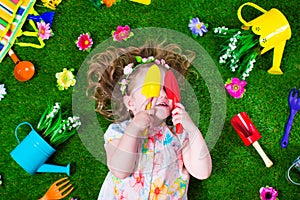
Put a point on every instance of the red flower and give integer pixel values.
(84, 42)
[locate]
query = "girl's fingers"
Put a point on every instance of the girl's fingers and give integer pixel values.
(154, 100)
(178, 111)
(151, 112)
(177, 120)
(179, 105)
(144, 105)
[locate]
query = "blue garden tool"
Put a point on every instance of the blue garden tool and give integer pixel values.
(294, 103)
(47, 17)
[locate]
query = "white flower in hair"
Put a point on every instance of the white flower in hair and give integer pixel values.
(128, 69)
(162, 62)
(123, 84)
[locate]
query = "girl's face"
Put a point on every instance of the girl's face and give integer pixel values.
(136, 100)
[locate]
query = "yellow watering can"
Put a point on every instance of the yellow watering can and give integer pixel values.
(274, 31)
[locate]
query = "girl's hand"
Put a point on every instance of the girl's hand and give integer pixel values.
(142, 120)
(180, 116)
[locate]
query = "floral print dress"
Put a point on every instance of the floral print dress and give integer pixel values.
(160, 173)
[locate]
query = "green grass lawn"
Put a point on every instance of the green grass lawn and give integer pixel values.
(238, 171)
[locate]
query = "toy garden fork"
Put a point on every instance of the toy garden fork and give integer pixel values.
(54, 192)
(294, 103)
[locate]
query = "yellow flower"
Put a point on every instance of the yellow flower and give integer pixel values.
(179, 187)
(158, 190)
(116, 191)
(65, 79)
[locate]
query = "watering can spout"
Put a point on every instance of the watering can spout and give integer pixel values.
(54, 169)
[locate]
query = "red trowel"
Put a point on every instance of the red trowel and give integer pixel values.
(173, 93)
(249, 134)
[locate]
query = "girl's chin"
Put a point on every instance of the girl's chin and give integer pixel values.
(163, 113)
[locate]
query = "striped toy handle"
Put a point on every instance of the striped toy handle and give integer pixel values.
(295, 164)
(239, 12)
(16, 130)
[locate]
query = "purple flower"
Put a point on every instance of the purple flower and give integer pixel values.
(197, 27)
(235, 87)
(268, 193)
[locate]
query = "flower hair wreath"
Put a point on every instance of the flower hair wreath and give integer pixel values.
(128, 69)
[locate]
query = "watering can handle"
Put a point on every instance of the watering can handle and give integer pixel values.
(16, 130)
(288, 171)
(239, 12)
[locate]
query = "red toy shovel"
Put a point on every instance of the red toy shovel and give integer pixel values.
(249, 134)
(173, 93)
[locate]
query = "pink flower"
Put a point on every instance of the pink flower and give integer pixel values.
(84, 42)
(137, 181)
(44, 30)
(122, 33)
(128, 69)
(268, 193)
(235, 87)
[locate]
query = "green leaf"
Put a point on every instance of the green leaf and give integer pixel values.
(138, 59)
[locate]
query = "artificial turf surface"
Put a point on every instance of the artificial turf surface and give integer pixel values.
(238, 171)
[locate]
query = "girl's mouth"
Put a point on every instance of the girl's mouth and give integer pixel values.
(163, 104)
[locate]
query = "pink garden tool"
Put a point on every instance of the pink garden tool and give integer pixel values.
(294, 103)
(54, 191)
(173, 93)
(249, 134)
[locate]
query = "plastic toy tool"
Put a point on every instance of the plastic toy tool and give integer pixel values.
(294, 103)
(47, 17)
(173, 93)
(24, 70)
(249, 134)
(274, 30)
(58, 191)
(151, 86)
(145, 2)
(33, 151)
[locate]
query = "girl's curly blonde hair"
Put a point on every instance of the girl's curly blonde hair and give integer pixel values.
(106, 70)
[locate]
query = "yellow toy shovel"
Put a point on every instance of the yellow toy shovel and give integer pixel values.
(146, 2)
(151, 86)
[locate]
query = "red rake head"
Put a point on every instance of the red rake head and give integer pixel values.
(245, 128)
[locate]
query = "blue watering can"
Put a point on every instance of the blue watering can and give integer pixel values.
(32, 153)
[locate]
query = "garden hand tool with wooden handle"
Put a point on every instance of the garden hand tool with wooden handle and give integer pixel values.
(249, 134)
(173, 93)
(151, 86)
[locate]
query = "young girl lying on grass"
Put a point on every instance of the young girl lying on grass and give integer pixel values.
(147, 159)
